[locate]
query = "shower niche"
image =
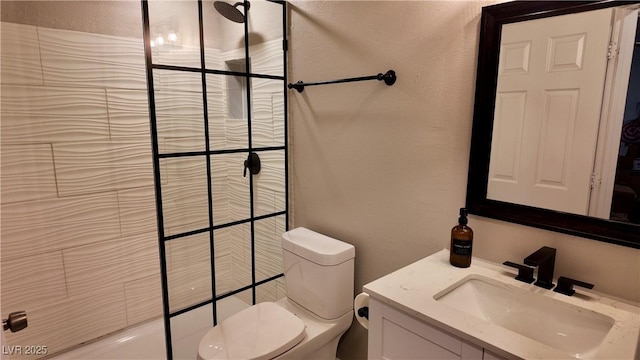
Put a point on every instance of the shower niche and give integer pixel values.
(236, 90)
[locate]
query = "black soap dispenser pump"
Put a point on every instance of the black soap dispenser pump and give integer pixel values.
(461, 242)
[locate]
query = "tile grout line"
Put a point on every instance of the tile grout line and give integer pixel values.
(40, 54)
(55, 171)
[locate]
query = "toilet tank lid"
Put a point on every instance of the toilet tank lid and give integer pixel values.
(316, 247)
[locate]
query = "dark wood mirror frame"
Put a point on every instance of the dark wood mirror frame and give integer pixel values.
(493, 17)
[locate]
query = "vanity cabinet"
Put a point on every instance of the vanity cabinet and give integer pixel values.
(432, 310)
(396, 335)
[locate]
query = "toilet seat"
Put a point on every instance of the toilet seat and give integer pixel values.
(262, 331)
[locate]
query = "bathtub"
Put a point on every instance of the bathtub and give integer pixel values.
(146, 341)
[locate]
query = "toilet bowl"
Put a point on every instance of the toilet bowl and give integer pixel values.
(309, 321)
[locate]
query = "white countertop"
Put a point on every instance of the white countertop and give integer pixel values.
(412, 289)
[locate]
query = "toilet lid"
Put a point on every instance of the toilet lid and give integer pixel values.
(262, 331)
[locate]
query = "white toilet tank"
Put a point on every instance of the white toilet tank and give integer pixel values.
(318, 272)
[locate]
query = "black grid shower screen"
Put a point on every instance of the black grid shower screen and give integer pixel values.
(218, 119)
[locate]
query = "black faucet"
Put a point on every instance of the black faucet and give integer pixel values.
(545, 259)
(525, 273)
(565, 285)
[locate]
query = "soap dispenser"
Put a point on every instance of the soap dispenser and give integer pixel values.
(461, 242)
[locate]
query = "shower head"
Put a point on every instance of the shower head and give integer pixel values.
(231, 12)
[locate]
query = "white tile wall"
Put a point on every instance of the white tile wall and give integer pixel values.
(267, 292)
(277, 100)
(266, 58)
(39, 226)
(180, 114)
(216, 110)
(49, 114)
(268, 249)
(78, 228)
(241, 255)
(184, 56)
(113, 262)
(262, 132)
(137, 210)
(20, 55)
(213, 59)
(184, 196)
(269, 189)
(79, 59)
(190, 276)
(143, 299)
(128, 114)
(90, 167)
(167, 80)
(224, 280)
(27, 173)
(79, 244)
(236, 131)
(65, 322)
(229, 185)
(281, 288)
(33, 278)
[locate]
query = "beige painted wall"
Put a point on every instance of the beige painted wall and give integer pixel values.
(385, 168)
(86, 16)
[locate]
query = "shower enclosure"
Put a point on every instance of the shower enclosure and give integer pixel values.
(216, 81)
(91, 198)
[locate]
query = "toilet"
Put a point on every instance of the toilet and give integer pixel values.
(309, 321)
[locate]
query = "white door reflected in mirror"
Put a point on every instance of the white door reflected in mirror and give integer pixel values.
(557, 122)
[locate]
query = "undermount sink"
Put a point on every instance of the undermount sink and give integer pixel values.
(560, 325)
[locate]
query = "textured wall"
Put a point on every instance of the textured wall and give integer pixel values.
(79, 241)
(385, 168)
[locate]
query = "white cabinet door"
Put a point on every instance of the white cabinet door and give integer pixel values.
(399, 342)
(395, 335)
(471, 352)
(550, 81)
(488, 355)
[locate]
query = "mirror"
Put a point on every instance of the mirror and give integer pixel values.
(508, 128)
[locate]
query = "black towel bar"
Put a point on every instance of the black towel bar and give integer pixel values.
(389, 78)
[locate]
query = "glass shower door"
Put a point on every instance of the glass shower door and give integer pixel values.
(217, 101)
